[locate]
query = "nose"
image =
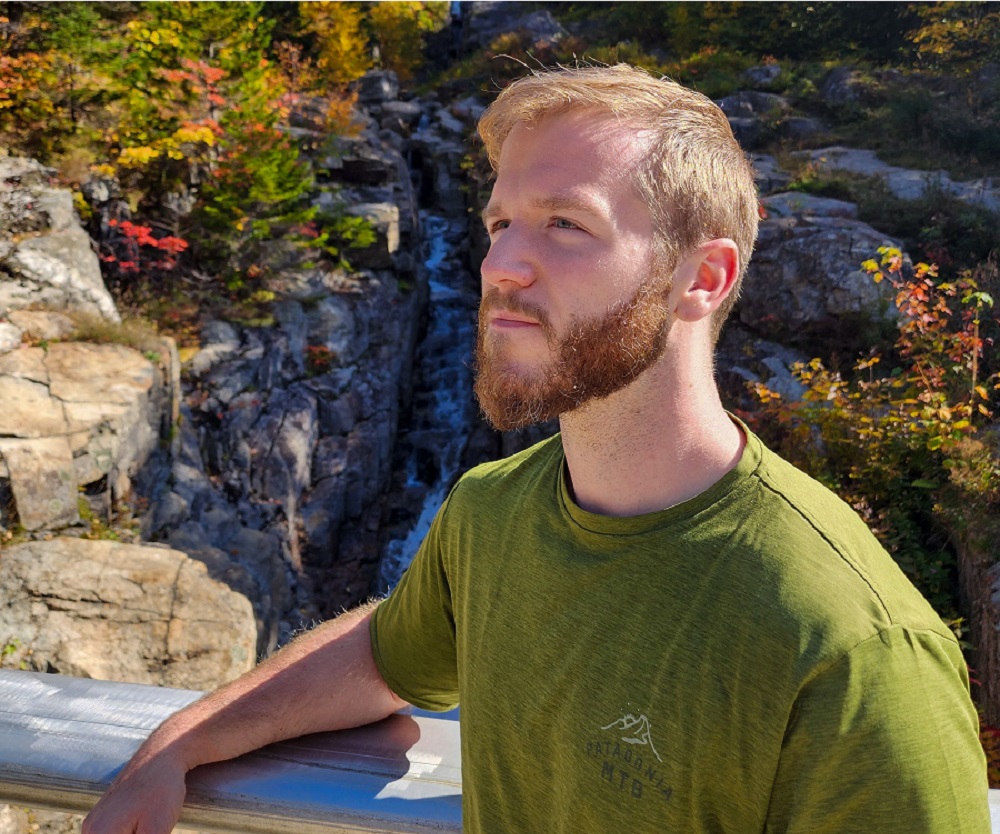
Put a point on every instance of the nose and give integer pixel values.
(509, 263)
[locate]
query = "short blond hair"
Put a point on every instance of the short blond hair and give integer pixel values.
(696, 180)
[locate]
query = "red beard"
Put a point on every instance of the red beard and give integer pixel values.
(594, 359)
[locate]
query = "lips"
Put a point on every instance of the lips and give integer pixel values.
(505, 319)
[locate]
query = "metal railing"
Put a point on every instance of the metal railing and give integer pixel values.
(63, 739)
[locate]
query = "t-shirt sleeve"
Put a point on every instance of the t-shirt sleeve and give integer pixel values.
(885, 740)
(413, 630)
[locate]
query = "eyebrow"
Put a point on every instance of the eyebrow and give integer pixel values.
(567, 202)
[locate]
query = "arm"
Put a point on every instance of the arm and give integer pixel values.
(324, 680)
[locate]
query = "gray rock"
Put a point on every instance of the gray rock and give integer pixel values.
(843, 85)
(42, 481)
(806, 275)
(377, 86)
(57, 205)
(488, 20)
(800, 128)
(10, 336)
(452, 125)
(354, 160)
(907, 184)
(69, 600)
(763, 75)
(384, 218)
(58, 270)
(42, 324)
(769, 363)
(404, 113)
(469, 108)
(794, 203)
(752, 103)
(74, 414)
(768, 174)
(748, 130)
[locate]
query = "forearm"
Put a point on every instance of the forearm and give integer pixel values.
(326, 679)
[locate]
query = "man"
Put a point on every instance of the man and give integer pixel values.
(651, 622)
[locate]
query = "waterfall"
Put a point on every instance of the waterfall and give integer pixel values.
(444, 409)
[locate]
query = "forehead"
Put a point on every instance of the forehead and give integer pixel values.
(579, 139)
(585, 153)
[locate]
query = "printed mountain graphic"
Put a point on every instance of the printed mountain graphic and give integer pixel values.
(634, 731)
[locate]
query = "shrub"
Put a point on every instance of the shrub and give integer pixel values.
(891, 442)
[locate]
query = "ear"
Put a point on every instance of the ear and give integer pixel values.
(705, 278)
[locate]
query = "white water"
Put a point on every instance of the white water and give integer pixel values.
(445, 378)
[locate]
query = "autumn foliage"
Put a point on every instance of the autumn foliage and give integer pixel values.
(900, 428)
(187, 108)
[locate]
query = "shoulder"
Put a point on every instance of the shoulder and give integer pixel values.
(823, 564)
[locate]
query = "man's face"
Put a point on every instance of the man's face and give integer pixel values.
(574, 307)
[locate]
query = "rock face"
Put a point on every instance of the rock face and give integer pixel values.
(805, 275)
(46, 258)
(113, 611)
(75, 415)
(905, 183)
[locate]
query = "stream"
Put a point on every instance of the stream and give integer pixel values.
(444, 408)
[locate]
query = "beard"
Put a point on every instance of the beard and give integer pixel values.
(595, 358)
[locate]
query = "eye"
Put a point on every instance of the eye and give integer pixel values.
(497, 225)
(563, 223)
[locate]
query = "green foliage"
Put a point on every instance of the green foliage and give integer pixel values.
(12, 652)
(893, 443)
(331, 234)
(342, 43)
(785, 30)
(399, 28)
(955, 36)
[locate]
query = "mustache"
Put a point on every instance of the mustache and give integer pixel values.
(494, 301)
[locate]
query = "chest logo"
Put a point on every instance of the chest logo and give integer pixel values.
(630, 762)
(634, 730)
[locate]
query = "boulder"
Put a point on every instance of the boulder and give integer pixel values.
(800, 128)
(13, 820)
(75, 414)
(46, 258)
(905, 183)
(10, 336)
(843, 85)
(768, 174)
(752, 103)
(763, 75)
(377, 86)
(384, 218)
(355, 161)
(806, 275)
(113, 611)
(794, 203)
(486, 21)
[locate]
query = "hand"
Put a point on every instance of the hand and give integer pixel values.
(145, 798)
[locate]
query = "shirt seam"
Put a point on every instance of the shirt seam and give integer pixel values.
(765, 483)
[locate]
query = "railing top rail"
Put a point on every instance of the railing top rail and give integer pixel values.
(63, 739)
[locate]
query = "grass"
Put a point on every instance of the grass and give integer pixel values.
(136, 333)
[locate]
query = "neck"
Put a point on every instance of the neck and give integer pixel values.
(660, 441)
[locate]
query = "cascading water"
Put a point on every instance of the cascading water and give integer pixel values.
(444, 408)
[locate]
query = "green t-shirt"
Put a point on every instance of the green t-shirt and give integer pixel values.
(748, 661)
